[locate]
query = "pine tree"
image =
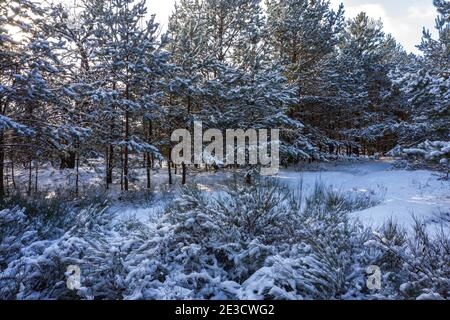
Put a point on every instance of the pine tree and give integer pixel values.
(30, 87)
(130, 53)
(304, 35)
(374, 55)
(428, 87)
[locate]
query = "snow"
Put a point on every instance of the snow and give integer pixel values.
(403, 193)
(198, 250)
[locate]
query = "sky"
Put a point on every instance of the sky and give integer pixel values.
(404, 19)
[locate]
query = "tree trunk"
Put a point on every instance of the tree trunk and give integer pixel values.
(77, 177)
(183, 166)
(13, 178)
(2, 165)
(109, 165)
(170, 171)
(121, 172)
(149, 167)
(248, 178)
(36, 172)
(29, 177)
(7, 185)
(148, 155)
(125, 154)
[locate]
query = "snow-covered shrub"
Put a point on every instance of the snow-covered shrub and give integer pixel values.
(326, 199)
(414, 266)
(205, 245)
(14, 234)
(252, 242)
(178, 261)
(265, 211)
(278, 279)
(432, 153)
(327, 262)
(24, 220)
(334, 265)
(244, 242)
(390, 264)
(39, 269)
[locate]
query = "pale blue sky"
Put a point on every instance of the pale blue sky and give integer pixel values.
(403, 18)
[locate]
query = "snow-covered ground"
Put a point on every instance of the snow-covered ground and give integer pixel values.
(403, 194)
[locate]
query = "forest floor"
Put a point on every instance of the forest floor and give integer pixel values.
(402, 194)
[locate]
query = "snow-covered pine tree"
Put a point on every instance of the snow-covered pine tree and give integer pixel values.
(73, 26)
(13, 14)
(227, 73)
(187, 44)
(373, 55)
(260, 93)
(304, 35)
(31, 86)
(129, 51)
(428, 87)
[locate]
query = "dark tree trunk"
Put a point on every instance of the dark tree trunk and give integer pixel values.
(125, 153)
(29, 177)
(7, 185)
(13, 176)
(2, 165)
(121, 172)
(248, 178)
(149, 167)
(109, 165)
(36, 172)
(107, 168)
(127, 137)
(183, 166)
(148, 157)
(170, 171)
(77, 177)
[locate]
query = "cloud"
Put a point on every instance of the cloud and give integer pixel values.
(162, 9)
(421, 12)
(404, 19)
(404, 22)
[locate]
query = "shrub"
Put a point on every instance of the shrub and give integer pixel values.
(416, 266)
(244, 242)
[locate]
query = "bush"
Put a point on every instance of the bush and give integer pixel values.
(416, 267)
(244, 242)
(255, 242)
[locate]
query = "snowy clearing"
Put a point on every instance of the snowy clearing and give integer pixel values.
(252, 242)
(402, 193)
